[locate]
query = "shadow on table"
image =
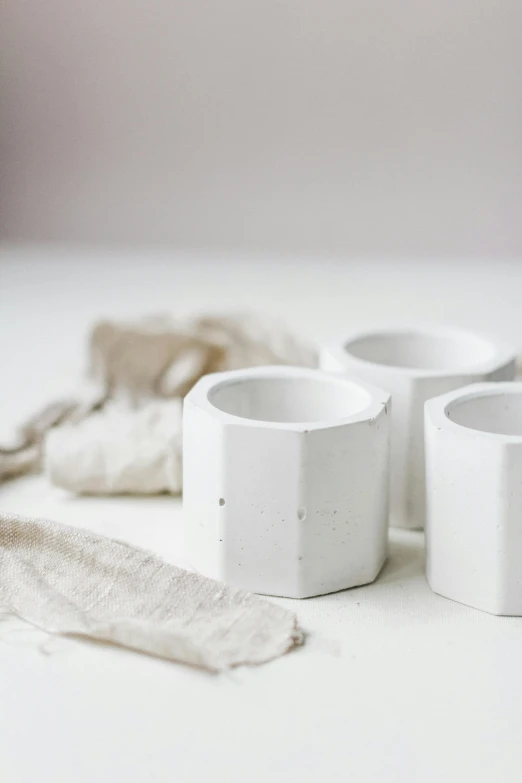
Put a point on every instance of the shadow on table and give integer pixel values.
(406, 559)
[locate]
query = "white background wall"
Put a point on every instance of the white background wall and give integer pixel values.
(325, 126)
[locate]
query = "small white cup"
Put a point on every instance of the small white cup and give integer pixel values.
(285, 480)
(415, 364)
(474, 496)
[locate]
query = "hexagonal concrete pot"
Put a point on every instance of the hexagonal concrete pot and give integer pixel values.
(474, 496)
(285, 480)
(415, 364)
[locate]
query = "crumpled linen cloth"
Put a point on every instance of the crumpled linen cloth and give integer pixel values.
(118, 449)
(122, 432)
(74, 582)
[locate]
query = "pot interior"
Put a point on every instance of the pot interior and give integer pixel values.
(499, 413)
(422, 350)
(290, 400)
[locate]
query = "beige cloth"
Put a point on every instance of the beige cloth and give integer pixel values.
(122, 433)
(118, 449)
(74, 582)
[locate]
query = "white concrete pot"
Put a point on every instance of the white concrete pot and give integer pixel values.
(414, 365)
(474, 496)
(285, 480)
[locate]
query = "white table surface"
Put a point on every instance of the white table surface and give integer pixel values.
(394, 683)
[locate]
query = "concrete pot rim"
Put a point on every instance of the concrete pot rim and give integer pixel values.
(499, 352)
(202, 392)
(439, 408)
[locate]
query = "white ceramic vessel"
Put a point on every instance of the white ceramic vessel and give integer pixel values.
(285, 480)
(414, 365)
(474, 496)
